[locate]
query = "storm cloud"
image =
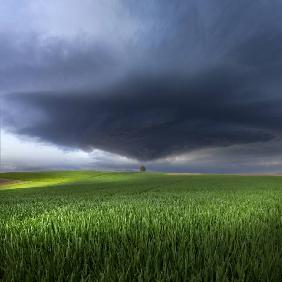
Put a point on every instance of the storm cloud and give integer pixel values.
(183, 76)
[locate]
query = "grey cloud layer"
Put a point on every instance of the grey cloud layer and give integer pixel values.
(32, 63)
(194, 74)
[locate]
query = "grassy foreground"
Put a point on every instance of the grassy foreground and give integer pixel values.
(94, 226)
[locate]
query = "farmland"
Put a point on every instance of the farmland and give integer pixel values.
(106, 226)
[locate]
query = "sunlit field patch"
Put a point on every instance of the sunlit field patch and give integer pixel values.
(103, 226)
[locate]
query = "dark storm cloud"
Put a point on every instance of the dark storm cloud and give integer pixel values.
(150, 117)
(195, 74)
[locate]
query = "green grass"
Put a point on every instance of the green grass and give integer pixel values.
(95, 226)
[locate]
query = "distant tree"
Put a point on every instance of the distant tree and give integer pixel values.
(142, 168)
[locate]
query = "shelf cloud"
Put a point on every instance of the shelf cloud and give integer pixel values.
(147, 80)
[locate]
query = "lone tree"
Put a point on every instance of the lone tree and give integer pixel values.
(142, 168)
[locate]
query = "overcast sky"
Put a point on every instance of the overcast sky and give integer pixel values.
(190, 85)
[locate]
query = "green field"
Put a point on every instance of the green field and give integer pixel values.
(101, 226)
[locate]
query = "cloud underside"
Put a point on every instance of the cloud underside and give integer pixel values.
(151, 117)
(190, 76)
